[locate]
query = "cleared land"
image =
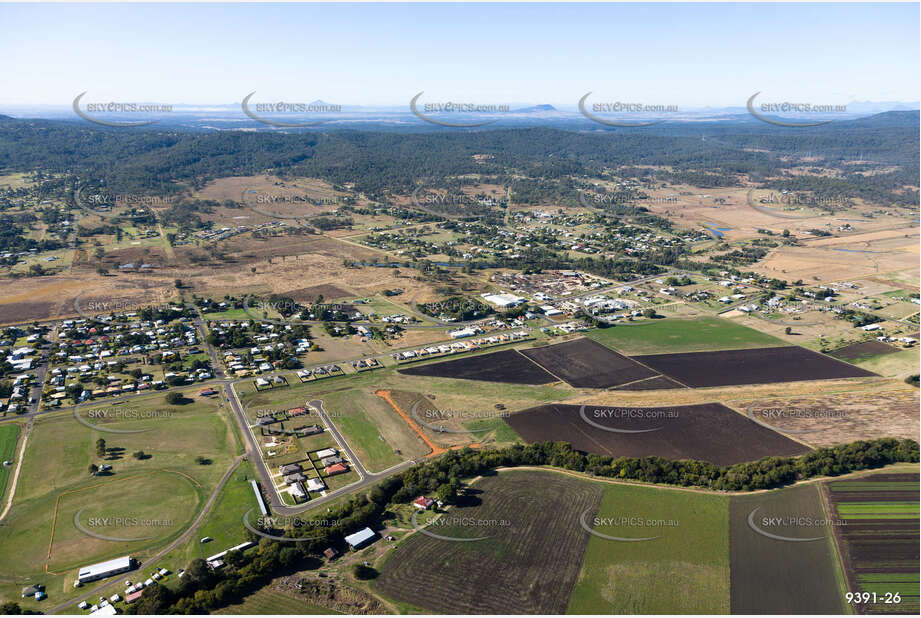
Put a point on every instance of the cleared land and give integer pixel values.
(708, 432)
(676, 335)
(862, 351)
(684, 570)
(843, 417)
(583, 363)
(508, 366)
(371, 427)
(515, 570)
(776, 576)
(755, 366)
(879, 544)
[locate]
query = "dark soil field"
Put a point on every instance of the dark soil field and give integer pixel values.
(708, 432)
(862, 351)
(758, 366)
(527, 566)
(11, 313)
(583, 363)
(310, 294)
(777, 576)
(879, 544)
(657, 383)
(507, 366)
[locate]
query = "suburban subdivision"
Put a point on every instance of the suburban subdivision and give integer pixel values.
(399, 361)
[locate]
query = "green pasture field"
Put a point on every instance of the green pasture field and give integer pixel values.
(684, 569)
(679, 335)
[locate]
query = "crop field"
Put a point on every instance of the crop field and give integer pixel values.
(794, 571)
(754, 366)
(683, 569)
(514, 570)
(9, 436)
(879, 544)
(268, 602)
(679, 335)
(583, 363)
(508, 366)
(708, 432)
(826, 420)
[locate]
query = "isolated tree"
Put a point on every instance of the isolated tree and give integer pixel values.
(363, 572)
(93, 469)
(788, 330)
(174, 398)
(446, 493)
(649, 312)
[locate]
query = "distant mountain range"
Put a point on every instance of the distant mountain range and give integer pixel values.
(229, 116)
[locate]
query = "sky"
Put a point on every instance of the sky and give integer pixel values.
(690, 55)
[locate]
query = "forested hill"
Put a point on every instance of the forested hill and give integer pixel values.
(151, 160)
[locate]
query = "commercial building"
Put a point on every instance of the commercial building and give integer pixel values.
(105, 569)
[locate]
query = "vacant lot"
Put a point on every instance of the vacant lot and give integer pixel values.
(862, 351)
(583, 363)
(778, 575)
(708, 432)
(843, 417)
(674, 335)
(756, 366)
(879, 544)
(683, 570)
(508, 366)
(528, 563)
(377, 433)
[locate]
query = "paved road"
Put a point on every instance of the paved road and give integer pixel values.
(69, 606)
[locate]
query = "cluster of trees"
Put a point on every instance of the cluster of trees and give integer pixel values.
(378, 163)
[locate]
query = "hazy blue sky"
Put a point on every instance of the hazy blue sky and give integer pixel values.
(688, 55)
